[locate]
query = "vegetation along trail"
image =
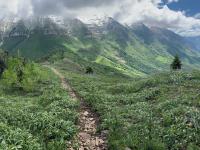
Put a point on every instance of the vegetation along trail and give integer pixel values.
(88, 137)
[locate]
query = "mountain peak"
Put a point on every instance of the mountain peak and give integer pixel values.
(140, 26)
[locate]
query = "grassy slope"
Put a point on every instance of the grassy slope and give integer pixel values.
(156, 112)
(38, 119)
(160, 112)
(132, 57)
(34, 47)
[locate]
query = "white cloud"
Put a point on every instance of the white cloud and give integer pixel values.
(17, 8)
(197, 16)
(153, 15)
(151, 12)
(172, 1)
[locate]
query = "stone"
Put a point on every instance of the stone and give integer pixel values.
(85, 113)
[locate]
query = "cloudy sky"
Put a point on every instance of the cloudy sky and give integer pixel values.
(181, 16)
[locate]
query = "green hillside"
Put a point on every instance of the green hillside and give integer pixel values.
(159, 112)
(34, 47)
(134, 51)
(35, 112)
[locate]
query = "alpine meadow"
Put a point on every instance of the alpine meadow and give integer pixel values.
(99, 75)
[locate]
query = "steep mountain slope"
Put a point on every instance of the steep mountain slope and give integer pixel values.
(194, 41)
(132, 50)
(34, 43)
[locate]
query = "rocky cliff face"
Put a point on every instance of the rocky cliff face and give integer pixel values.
(25, 28)
(70, 27)
(19, 30)
(6, 26)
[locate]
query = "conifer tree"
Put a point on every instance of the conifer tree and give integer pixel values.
(3, 59)
(176, 64)
(89, 70)
(2, 67)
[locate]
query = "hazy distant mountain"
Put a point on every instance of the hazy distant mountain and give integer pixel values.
(133, 50)
(194, 41)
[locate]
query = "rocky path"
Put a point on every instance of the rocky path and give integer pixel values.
(88, 137)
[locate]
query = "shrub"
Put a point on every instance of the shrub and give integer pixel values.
(17, 139)
(154, 145)
(31, 76)
(21, 75)
(193, 147)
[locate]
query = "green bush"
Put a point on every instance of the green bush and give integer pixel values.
(153, 145)
(193, 147)
(37, 120)
(31, 76)
(17, 139)
(21, 75)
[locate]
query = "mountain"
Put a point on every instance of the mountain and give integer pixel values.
(194, 41)
(34, 40)
(131, 50)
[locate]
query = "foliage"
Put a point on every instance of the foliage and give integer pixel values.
(15, 138)
(176, 64)
(21, 74)
(40, 119)
(159, 112)
(31, 76)
(89, 70)
(3, 59)
(2, 67)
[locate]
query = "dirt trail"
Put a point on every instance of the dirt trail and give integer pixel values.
(88, 137)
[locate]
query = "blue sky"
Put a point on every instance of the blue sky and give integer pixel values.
(191, 7)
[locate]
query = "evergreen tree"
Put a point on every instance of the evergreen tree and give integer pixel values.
(2, 67)
(176, 64)
(3, 59)
(89, 70)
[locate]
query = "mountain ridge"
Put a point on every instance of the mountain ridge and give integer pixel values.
(133, 50)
